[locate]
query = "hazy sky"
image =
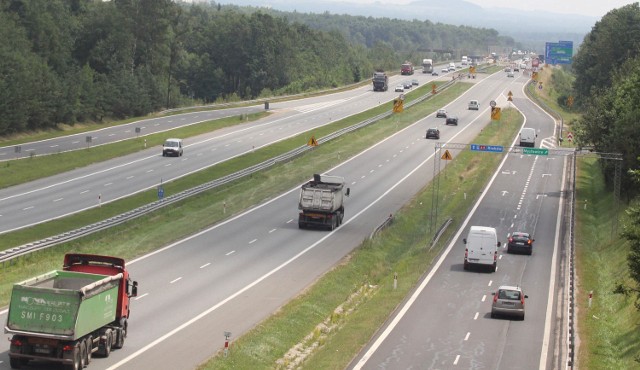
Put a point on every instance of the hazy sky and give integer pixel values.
(596, 8)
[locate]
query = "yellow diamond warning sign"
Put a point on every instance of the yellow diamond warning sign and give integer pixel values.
(447, 156)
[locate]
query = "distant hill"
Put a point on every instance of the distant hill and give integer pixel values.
(531, 29)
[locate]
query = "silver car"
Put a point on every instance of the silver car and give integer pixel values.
(508, 301)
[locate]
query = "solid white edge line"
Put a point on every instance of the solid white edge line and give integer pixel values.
(552, 279)
(424, 283)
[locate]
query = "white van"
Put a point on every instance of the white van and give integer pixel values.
(452, 67)
(482, 248)
(474, 105)
(528, 137)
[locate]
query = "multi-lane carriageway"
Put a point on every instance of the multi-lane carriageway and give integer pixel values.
(233, 275)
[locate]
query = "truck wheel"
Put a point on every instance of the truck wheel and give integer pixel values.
(88, 343)
(83, 354)
(76, 360)
(104, 348)
(120, 335)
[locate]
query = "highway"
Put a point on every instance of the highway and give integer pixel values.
(89, 187)
(446, 323)
(236, 273)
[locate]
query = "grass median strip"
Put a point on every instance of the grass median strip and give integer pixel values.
(329, 323)
(180, 220)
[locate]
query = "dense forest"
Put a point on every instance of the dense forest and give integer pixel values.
(607, 90)
(69, 61)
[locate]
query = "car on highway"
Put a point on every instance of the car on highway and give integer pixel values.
(445, 70)
(508, 301)
(516, 69)
(172, 147)
(520, 242)
(441, 113)
(434, 73)
(399, 88)
(433, 133)
(451, 120)
(474, 105)
(407, 84)
(415, 82)
(510, 74)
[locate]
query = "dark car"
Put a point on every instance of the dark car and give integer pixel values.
(434, 73)
(433, 133)
(407, 84)
(452, 120)
(520, 242)
(415, 82)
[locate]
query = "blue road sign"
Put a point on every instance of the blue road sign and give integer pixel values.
(487, 148)
(559, 52)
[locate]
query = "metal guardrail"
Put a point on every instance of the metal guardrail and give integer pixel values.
(9, 254)
(388, 221)
(440, 231)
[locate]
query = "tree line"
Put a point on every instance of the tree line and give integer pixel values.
(607, 89)
(69, 61)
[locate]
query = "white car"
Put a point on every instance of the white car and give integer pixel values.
(445, 70)
(399, 88)
(172, 147)
(474, 105)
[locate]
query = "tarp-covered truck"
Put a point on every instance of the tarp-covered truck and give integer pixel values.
(67, 315)
(322, 202)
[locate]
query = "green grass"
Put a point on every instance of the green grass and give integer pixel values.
(608, 331)
(608, 335)
(156, 230)
(364, 282)
(19, 171)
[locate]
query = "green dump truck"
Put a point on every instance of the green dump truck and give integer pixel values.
(67, 316)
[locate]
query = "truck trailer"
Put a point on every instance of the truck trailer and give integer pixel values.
(380, 81)
(427, 65)
(66, 316)
(322, 202)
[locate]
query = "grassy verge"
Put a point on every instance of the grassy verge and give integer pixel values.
(336, 317)
(161, 228)
(608, 330)
(16, 172)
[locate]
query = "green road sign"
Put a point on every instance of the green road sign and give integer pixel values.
(535, 151)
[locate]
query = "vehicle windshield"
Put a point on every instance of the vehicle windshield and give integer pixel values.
(172, 144)
(509, 294)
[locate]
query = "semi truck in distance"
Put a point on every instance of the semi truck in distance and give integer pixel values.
(322, 202)
(427, 65)
(380, 81)
(407, 68)
(66, 316)
(465, 60)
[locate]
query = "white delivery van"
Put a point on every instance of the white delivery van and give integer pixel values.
(481, 248)
(474, 105)
(528, 137)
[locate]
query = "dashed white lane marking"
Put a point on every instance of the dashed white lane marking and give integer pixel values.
(175, 280)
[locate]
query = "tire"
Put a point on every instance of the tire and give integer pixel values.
(120, 335)
(76, 360)
(83, 354)
(89, 345)
(104, 348)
